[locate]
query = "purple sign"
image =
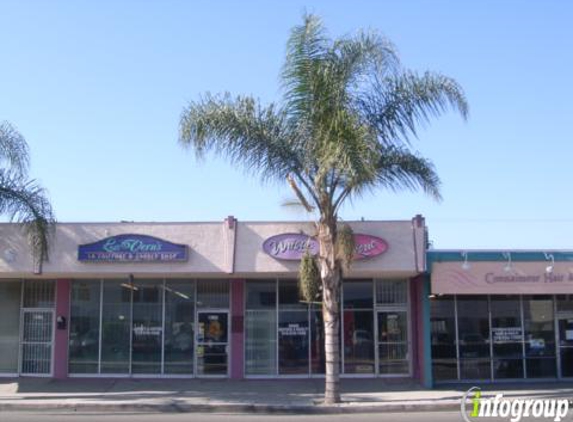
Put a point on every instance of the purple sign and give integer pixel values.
(132, 248)
(291, 246)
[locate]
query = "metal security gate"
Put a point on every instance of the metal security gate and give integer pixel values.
(36, 344)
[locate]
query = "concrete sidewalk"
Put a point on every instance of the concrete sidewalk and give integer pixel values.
(253, 396)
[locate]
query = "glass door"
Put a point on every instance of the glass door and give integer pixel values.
(36, 344)
(566, 346)
(212, 347)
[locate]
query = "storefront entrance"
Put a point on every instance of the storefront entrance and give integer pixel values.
(37, 328)
(212, 353)
(566, 345)
(36, 344)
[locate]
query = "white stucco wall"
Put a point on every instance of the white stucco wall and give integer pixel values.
(215, 250)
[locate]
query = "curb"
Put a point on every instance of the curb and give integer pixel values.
(426, 406)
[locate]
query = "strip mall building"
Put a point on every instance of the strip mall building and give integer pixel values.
(220, 299)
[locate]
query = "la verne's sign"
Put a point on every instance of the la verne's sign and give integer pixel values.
(132, 248)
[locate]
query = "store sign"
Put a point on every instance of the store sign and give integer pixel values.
(293, 330)
(506, 334)
(132, 248)
(497, 278)
(292, 246)
(368, 246)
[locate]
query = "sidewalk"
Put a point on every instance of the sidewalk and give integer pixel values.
(254, 396)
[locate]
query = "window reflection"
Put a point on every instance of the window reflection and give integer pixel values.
(84, 327)
(179, 326)
(116, 327)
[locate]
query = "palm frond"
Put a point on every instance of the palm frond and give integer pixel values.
(254, 137)
(28, 204)
(306, 48)
(14, 153)
(399, 168)
(397, 105)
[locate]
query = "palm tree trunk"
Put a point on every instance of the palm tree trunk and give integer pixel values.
(330, 275)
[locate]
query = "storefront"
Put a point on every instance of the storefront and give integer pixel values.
(206, 300)
(499, 316)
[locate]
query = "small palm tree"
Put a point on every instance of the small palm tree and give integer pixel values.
(343, 128)
(22, 199)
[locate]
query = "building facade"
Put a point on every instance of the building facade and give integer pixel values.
(217, 299)
(500, 316)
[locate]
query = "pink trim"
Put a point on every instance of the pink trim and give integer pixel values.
(237, 328)
(416, 290)
(61, 336)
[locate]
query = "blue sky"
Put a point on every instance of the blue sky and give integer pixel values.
(97, 88)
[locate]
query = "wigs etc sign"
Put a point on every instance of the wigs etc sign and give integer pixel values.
(292, 246)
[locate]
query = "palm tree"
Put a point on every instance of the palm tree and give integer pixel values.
(22, 199)
(343, 128)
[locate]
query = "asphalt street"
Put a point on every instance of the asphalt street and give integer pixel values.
(201, 417)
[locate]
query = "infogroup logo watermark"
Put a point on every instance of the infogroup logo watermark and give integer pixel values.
(511, 409)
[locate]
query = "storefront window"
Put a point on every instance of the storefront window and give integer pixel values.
(293, 342)
(474, 337)
(147, 333)
(10, 297)
(116, 327)
(507, 337)
(539, 336)
(261, 328)
(293, 331)
(317, 352)
(179, 326)
(358, 331)
(85, 327)
(443, 338)
(358, 342)
(358, 294)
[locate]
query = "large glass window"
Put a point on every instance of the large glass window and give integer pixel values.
(293, 331)
(358, 294)
(84, 327)
(179, 326)
(507, 337)
(147, 332)
(474, 337)
(261, 328)
(10, 297)
(358, 319)
(520, 343)
(116, 327)
(443, 338)
(539, 336)
(317, 352)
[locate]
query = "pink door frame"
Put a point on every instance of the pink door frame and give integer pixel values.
(62, 335)
(237, 328)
